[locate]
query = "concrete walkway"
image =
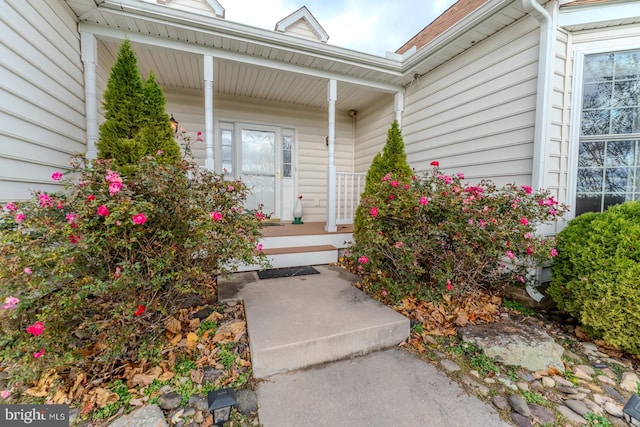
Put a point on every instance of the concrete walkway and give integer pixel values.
(297, 326)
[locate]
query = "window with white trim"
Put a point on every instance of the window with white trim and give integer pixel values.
(609, 147)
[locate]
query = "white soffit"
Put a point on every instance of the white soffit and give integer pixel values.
(589, 16)
(303, 14)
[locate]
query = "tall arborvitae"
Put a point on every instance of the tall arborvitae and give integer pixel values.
(392, 160)
(135, 123)
(157, 135)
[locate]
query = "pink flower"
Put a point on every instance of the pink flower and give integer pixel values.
(471, 221)
(103, 210)
(423, 200)
(56, 176)
(527, 189)
(199, 136)
(460, 175)
(374, 211)
(435, 163)
(554, 252)
(399, 244)
(524, 221)
(139, 219)
(392, 196)
(39, 354)
(112, 176)
(406, 186)
(521, 279)
(90, 197)
(529, 250)
(45, 200)
(482, 223)
(386, 177)
(71, 217)
(159, 153)
(118, 272)
(74, 238)
(5, 394)
(36, 329)
(259, 247)
(527, 235)
(20, 217)
(259, 216)
(363, 260)
(510, 254)
(230, 188)
(10, 302)
(114, 187)
(9, 207)
(384, 292)
(449, 285)
(216, 216)
(27, 271)
(394, 183)
(552, 212)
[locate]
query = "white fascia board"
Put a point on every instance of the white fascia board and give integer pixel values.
(467, 23)
(118, 34)
(602, 12)
(234, 30)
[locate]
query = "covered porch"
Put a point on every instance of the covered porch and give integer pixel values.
(288, 116)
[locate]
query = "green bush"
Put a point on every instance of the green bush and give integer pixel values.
(136, 124)
(391, 160)
(595, 276)
(103, 263)
(437, 235)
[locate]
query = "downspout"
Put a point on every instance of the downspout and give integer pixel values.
(541, 132)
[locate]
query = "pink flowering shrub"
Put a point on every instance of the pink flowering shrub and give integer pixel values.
(435, 234)
(90, 273)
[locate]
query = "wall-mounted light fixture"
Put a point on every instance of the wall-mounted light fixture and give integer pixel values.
(174, 124)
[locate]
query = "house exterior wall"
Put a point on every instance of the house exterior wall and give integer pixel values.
(41, 95)
(311, 129)
(475, 114)
(372, 125)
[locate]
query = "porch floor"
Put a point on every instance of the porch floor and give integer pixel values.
(283, 229)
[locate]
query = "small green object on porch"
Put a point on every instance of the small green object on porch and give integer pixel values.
(297, 211)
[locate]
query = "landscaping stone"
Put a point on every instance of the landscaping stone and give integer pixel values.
(613, 409)
(614, 394)
(147, 416)
(548, 382)
(474, 385)
(570, 415)
(629, 382)
(523, 386)
(211, 375)
(170, 401)
(500, 402)
(542, 415)
(563, 382)
(519, 404)
(199, 402)
(515, 343)
(247, 401)
(508, 383)
(577, 406)
(449, 365)
(520, 420)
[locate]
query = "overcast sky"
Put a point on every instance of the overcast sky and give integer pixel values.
(372, 26)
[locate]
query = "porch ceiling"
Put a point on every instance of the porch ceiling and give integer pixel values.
(184, 70)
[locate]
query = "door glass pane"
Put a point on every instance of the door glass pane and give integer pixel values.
(286, 156)
(226, 136)
(259, 168)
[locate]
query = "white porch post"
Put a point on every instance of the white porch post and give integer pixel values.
(330, 226)
(89, 48)
(208, 112)
(398, 105)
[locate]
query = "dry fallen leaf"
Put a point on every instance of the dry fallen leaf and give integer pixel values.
(173, 325)
(192, 341)
(45, 383)
(104, 397)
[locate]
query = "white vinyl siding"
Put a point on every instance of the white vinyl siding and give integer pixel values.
(311, 129)
(475, 114)
(41, 95)
(372, 125)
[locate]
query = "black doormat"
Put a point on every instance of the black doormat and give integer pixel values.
(275, 273)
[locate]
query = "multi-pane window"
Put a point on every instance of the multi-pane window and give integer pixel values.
(609, 151)
(226, 139)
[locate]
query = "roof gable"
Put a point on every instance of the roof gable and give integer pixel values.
(300, 22)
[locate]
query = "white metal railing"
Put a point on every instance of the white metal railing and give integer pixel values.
(349, 187)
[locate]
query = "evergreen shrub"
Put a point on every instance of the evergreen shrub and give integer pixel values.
(596, 274)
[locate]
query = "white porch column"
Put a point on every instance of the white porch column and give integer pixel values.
(330, 226)
(208, 112)
(398, 106)
(89, 48)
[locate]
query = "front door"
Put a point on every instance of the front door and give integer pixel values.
(261, 160)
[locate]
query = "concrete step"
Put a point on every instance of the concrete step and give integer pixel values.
(303, 321)
(296, 256)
